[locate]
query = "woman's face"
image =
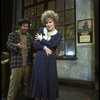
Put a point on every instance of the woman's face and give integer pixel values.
(50, 25)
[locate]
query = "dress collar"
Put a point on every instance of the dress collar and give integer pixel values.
(45, 31)
(45, 36)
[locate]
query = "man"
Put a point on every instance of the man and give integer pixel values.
(19, 44)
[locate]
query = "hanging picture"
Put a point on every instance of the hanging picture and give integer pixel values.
(84, 29)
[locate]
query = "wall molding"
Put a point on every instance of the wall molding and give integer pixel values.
(77, 83)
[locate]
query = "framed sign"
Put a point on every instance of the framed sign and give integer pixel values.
(84, 29)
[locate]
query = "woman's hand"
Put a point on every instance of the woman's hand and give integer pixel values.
(38, 36)
(47, 50)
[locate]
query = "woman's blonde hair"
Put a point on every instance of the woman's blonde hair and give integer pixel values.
(49, 14)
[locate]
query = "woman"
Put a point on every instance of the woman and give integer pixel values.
(44, 82)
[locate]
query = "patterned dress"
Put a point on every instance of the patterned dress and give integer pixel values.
(44, 83)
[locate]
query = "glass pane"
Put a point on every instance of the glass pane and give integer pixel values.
(51, 5)
(40, 9)
(69, 16)
(59, 5)
(61, 30)
(27, 3)
(29, 12)
(70, 48)
(70, 32)
(39, 0)
(61, 18)
(25, 13)
(39, 24)
(60, 50)
(33, 11)
(69, 4)
(33, 1)
(33, 23)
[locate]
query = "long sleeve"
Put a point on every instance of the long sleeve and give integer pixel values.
(55, 41)
(52, 43)
(38, 45)
(11, 43)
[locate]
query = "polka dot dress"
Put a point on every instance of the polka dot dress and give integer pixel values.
(44, 83)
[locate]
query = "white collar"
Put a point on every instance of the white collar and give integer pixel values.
(53, 33)
(45, 31)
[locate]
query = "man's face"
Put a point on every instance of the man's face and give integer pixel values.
(24, 27)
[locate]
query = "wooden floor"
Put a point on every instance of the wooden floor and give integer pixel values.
(69, 93)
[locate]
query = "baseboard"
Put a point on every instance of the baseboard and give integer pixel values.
(77, 83)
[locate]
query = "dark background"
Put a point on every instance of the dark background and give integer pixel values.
(6, 21)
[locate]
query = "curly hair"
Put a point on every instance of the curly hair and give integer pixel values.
(49, 14)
